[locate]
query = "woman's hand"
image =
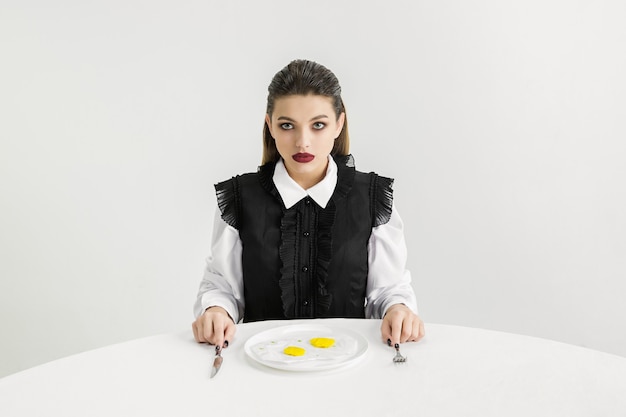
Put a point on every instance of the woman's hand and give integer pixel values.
(214, 326)
(400, 325)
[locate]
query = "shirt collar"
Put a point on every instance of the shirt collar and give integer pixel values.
(291, 192)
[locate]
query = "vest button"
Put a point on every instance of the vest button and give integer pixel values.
(307, 201)
(305, 268)
(305, 303)
(306, 234)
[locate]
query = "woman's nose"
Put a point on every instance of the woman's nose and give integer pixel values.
(303, 139)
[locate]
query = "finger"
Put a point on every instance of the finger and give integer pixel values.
(229, 334)
(218, 332)
(418, 330)
(385, 331)
(406, 332)
(422, 330)
(200, 329)
(194, 326)
(396, 328)
(415, 330)
(205, 329)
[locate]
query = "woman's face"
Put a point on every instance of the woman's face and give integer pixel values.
(304, 129)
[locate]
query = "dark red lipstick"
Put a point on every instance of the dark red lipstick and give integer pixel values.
(303, 157)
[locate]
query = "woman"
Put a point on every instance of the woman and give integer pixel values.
(306, 236)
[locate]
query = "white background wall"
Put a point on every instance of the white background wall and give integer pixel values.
(502, 122)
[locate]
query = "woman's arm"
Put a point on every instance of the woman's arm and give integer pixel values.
(389, 292)
(220, 303)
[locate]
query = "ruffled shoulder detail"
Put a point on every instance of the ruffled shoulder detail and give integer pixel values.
(345, 175)
(266, 174)
(381, 194)
(228, 201)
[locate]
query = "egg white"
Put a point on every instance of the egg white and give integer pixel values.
(273, 350)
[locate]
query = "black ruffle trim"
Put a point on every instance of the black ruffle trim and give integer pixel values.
(228, 201)
(326, 219)
(288, 243)
(266, 174)
(381, 193)
(345, 176)
(288, 249)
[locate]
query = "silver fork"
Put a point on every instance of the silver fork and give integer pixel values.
(398, 358)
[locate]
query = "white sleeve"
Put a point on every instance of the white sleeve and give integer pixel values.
(222, 283)
(388, 280)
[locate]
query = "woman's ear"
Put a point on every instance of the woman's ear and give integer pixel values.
(268, 122)
(340, 121)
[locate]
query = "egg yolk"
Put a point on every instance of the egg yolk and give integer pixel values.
(293, 351)
(322, 342)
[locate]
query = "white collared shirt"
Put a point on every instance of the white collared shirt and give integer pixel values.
(291, 192)
(388, 280)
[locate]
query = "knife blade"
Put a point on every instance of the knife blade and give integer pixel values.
(217, 362)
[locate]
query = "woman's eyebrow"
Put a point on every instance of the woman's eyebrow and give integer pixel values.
(321, 116)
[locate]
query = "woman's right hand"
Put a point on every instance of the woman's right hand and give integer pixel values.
(215, 327)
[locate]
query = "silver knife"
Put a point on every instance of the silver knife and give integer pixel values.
(217, 362)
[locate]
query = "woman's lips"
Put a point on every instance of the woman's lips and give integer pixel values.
(303, 157)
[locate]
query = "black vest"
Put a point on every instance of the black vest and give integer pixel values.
(306, 261)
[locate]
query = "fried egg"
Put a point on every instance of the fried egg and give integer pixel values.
(294, 351)
(322, 342)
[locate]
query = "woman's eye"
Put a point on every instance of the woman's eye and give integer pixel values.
(286, 126)
(318, 125)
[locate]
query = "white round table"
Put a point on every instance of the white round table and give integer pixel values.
(453, 371)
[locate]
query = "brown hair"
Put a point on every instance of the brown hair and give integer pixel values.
(302, 77)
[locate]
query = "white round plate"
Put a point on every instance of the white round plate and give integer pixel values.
(267, 347)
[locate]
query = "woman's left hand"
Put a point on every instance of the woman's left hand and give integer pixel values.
(400, 325)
